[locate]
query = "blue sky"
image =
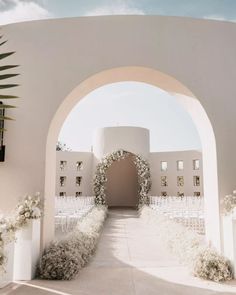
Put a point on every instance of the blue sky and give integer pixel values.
(21, 10)
(194, 8)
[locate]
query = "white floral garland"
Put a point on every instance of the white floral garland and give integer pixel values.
(204, 261)
(229, 203)
(63, 259)
(29, 208)
(100, 179)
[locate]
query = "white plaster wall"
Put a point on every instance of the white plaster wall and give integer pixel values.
(58, 55)
(71, 172)
(188, 172)
(110, 139)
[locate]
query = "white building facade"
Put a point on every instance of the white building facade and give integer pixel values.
(164, 58)
(176, 173)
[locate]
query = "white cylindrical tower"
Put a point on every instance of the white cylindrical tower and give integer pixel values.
(132, 139)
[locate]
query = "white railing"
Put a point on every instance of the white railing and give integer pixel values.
(187, 210)
(69, 209)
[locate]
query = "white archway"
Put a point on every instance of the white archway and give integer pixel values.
(168, 84)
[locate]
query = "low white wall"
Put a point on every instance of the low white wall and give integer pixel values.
(71, 172)
(188, 172)
(155, 159)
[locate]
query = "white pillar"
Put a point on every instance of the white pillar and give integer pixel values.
(229, 235)
(27, 251)
(8, 276)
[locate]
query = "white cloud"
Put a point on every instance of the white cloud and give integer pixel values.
(218, 17)
(22, 11)
(121, 8)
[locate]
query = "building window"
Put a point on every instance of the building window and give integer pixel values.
(196, 164)
(78, 180)
(62, 194)
(180, 180)
(163, 166)
(164, 181)
(164, 194)
(62, 180)
(79, 165)
(78, 194)
(63, 165)
(197, 194)
(196, 180)
(180, 165)
(180, 194)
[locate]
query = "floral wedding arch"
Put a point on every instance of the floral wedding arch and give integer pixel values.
(143, 170)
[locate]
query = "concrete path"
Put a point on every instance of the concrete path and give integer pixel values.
(129, 260)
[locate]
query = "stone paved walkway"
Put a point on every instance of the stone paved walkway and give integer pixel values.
(129, 260)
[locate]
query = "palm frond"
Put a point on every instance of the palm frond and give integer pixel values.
(4, 86)
(6, 106)
(7, 67)
(3, 43)
(4, 55)
(7, 76)
(8, 96)
(5, 118)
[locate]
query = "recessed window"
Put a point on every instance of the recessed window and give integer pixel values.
(63, 165)
(180, 194)
(196, 164)
(62, 194)
(79, 165)
(164, 181)
(78, 180)
(197, 194)
(164, 194)
(163, 166)
(196, 180)
(180, 165)
(78, 194)
(180, 180)
(62, 180)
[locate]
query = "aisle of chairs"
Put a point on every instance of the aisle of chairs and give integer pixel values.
(187, 210)
(69, 209)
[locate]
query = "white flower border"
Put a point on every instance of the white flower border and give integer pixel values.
(29, 208)
(229, 203)
(143, 170)
(63, 259)
(204, 261)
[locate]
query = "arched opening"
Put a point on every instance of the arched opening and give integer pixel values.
(184, 96)
(122, 183)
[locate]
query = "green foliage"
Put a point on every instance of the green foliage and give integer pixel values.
(61, 146)
(3, 97)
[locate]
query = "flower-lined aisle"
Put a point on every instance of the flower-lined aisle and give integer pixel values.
(63, 260)
(204, 261)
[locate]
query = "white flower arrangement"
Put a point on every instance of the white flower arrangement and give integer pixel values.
(144, 176)
(27, 209)
(210, 265)
(3, 261)
(229, 203)
(63, 259)
(189, 247)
